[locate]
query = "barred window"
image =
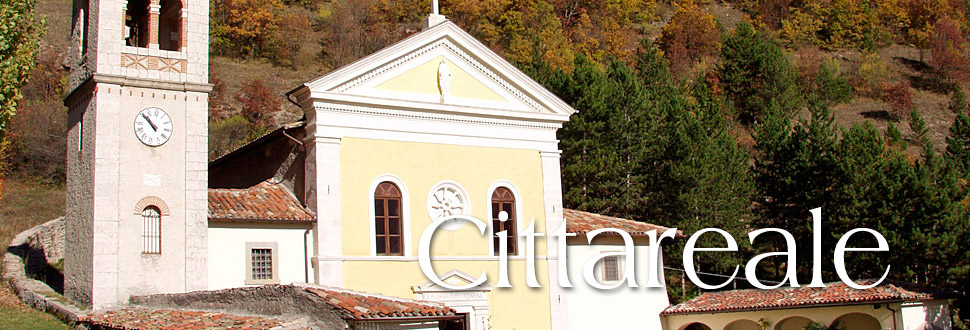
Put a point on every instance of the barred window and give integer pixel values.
(262, 263)
(611, 269)
(152, 233)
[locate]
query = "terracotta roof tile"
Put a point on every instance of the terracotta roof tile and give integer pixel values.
(833, 293)
(580, 223)
(134, 318)
(359, 305)
(266, 201)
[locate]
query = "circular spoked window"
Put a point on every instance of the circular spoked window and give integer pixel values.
(446, 199)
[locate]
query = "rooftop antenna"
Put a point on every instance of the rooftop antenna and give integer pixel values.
(435, 18)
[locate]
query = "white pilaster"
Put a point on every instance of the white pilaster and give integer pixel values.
(106, 198)
(552, 197)
(196, 191)
(323, 197)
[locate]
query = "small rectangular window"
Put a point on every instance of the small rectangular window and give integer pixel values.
(262, 263)
(611, 269)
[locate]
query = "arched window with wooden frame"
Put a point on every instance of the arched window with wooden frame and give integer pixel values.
(388, 224)
(152, 232)
(504, 201)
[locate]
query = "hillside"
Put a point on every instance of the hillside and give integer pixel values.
(693, 113)
(307, 60)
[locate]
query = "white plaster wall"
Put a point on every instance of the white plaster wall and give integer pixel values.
(620, 308)
(227, 252)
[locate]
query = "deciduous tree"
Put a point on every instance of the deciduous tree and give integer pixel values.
(950, 52)
(244, 27)
(19, 39)
(259, 103)
(691, 35)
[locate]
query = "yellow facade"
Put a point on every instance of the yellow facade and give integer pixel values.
(421, 80)
(420, 166)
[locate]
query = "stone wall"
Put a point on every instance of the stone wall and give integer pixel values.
(285, 301)
(31, 255)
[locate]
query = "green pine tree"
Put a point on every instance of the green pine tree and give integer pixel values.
(958, 143)
(754, 73)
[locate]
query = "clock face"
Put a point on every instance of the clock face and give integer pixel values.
(153, 126)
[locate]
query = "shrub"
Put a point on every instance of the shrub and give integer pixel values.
(37, 134)
(873, 75)
(821, 77)
(48, 80)
(258, 103)
(958, 101)
(900, 99)
(218, 105)
(228, 134)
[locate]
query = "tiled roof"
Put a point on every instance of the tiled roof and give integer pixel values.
(266, 201)
(134, 318)
(580, 223)
(365, 306)
(836, 293)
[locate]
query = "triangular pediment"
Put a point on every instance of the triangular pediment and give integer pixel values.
(441, 67)
(452, 277)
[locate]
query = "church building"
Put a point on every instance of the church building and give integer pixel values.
(433, 126)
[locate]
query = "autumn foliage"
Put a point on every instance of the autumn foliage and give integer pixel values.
(899, 98)
(354, 29)
(690, 36)
(257, 29)
(259, 103)
(949, 52)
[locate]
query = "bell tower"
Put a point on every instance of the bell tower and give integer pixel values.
(137, 149)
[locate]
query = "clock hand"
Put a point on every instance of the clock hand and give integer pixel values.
(154, 128)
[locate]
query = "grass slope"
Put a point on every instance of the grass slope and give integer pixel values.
(24, 203)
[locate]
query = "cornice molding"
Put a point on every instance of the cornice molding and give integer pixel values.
(455, 118)
(88, 85)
